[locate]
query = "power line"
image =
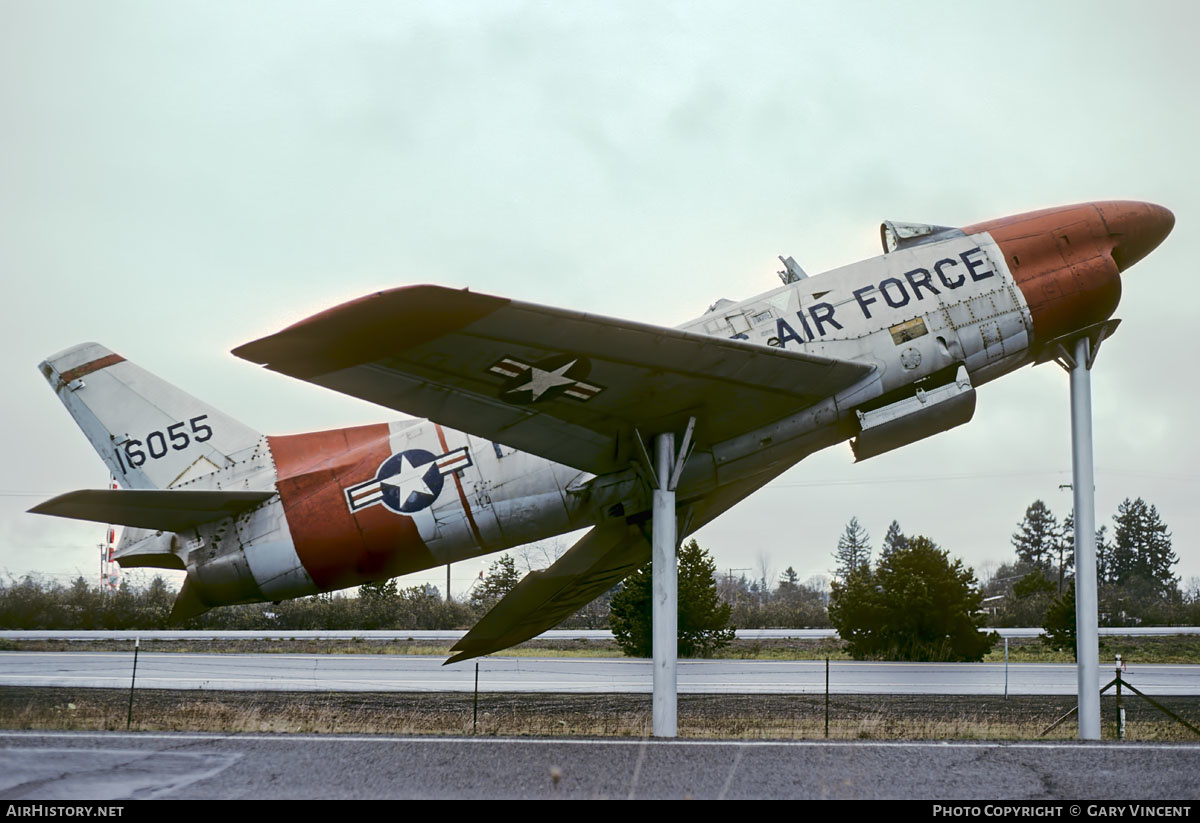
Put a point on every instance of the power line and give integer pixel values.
(971, 476)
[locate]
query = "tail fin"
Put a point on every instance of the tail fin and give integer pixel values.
(150, 434)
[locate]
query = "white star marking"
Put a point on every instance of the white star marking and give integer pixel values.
(409, 479)
(541, 381)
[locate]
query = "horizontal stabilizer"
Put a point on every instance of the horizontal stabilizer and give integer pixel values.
(165, 510)
(600, 560)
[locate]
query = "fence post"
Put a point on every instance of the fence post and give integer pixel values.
(1120, 707)
(827, 697)
(137, 641)
(1006, 668)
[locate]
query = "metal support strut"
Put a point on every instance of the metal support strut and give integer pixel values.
(665, 473)
(1077, 360)
(665, 611)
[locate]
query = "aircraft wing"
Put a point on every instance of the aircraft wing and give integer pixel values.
(567, 386)
(598, 561)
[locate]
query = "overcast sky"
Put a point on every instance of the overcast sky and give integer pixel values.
(179, 178)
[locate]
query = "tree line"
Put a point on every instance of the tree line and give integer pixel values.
(32, 603)
(1134, 565)
(1135, 576)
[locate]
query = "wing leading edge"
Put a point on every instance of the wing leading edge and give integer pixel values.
(568, 386)
(601, 559)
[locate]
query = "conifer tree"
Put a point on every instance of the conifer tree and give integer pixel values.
(1103, 549)
(915, 605)
(789, 580)
(1038, 538)
(893, 540)
(853, 549)
(703, 616)
(1141, 552)
(1059, 622)
(500, 579)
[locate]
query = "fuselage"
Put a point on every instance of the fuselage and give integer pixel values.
(944, 311)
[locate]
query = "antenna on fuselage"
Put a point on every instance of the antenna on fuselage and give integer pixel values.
(792, 272)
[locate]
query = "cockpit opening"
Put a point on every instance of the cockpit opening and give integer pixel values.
(896, 235)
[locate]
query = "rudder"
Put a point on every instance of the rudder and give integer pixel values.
(150, 434)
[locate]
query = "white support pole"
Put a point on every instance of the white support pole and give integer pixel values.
(1086, 610)
(665, 610)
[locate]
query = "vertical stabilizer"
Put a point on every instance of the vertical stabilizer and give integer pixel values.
(150, 434)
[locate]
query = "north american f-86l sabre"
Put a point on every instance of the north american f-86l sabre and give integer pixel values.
(539, 420)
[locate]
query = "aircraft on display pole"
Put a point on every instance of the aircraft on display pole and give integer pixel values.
(541, 421)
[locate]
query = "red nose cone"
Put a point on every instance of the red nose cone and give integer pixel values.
(1067, 261)
(1136, 229)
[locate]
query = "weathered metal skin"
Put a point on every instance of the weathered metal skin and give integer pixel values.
(916, 313)
(1067, 261)
(943, 311)
(496, 500)
(337, 547)
(1035, 277)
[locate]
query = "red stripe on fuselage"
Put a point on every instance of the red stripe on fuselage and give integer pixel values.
(338, 548)
(462, 495)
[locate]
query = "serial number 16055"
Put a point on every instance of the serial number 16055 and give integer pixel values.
(158, 443)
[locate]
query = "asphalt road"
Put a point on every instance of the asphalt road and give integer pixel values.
(115, 766)
(337, 672)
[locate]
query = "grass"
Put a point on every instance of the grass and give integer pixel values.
(872, 717)
(1178, 648)
(549, 648)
